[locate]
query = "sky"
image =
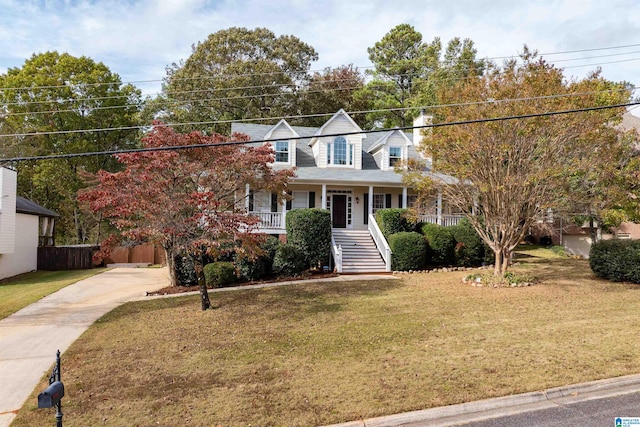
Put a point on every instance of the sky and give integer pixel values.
(137, 39)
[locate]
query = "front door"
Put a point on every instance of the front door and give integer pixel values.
(339, 211)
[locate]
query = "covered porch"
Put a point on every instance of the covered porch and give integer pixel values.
(350, 206)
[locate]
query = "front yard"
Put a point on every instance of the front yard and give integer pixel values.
(318, 354)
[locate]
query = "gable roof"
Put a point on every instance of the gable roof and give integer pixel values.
(284, 123)
(340, 113)
(382, 141)
(26, 206)
(307, 169)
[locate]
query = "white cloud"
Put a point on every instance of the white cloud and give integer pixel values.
(138, 38)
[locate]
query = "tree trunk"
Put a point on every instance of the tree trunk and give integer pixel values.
(497, 267)
(168, 254)
(204, 295)
(506, 261)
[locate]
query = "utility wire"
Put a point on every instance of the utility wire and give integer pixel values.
(310, 71)
(303, 116)
(28, 113)
(404, 128)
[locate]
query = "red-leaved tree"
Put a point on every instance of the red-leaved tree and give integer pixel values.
(187, 200)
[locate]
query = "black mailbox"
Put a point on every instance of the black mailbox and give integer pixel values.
(51, 395)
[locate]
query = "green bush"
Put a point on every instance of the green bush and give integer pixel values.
(470, 248)
(220, 274)
(442, 244)
(393, 220)
(617, 260)
(289, 260)
(410, 251)
(261, 266)
(310, 230)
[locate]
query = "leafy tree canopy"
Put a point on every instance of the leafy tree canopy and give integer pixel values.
(511, 172)
(187, 200)
(407, 72)
(235, 73)
(44, 104)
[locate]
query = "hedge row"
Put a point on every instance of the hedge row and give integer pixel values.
(416, 246)
(617, 260)
(308, 246)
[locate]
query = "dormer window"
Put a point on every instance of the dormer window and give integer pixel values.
(339, 153)
(282, 151)
(395, 156)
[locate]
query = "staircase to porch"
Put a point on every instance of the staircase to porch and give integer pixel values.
(359, 252)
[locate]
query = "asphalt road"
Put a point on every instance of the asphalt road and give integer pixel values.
(589, 413)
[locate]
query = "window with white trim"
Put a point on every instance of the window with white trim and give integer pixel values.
(412, 200)
(282, 151)
(340, 153)
(300, 200)
(395, 156)
(378, 202)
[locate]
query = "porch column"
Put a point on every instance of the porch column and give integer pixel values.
(404, 197)
(324, 196)
(246, 197)
(370, 208)
(439, 207)
(284, 213)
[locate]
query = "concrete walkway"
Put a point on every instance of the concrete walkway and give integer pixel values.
(30, 337)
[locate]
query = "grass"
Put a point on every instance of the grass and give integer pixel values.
(318, 354)
(19, 292)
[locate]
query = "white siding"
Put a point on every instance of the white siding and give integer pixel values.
(338, 125)
(283, 134)
(7, 211)
(25, 256)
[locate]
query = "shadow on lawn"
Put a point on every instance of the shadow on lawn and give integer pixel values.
(312, 298)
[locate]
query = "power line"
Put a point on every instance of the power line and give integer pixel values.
(309, 71)
(177, 102)
(303, 116)
(294, 86)
(404, 128)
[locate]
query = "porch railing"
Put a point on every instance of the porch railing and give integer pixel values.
(445, 220)
(380, 241)
(336, 251)
(269, 220)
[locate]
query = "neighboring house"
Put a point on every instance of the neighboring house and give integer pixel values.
(576, 239)
(24, 226)
(343, 169)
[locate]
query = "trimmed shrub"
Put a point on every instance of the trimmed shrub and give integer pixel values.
(310, 230)
(220, 274)
(410, 251)
(470, 248)
(442, 244)
(393, 220)
(616, 260)
(289, 260)
(261, 266)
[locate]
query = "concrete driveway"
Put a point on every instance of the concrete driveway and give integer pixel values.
(30, 337)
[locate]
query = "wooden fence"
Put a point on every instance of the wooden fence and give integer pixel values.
(66, 257)
(136, 254)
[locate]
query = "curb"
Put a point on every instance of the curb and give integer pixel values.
(502, 406)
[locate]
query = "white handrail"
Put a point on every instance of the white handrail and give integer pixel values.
(445, 220)
(380, 241)
(336, 251)
(270, 220)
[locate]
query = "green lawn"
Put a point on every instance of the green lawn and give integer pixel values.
(318, 354)
(30, 287)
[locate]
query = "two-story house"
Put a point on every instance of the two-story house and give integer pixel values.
(341, 168)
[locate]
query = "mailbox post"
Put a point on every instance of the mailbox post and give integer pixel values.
(52, 395)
